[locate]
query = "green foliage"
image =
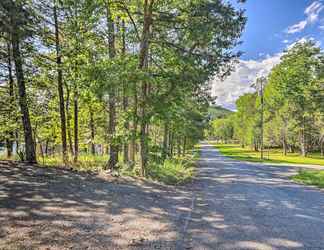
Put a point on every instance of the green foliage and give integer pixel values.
(223, 129)
(174, 171)
(217, 112)
(135, 78)
(293, 106)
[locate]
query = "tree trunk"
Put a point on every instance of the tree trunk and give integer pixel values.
(9, 141)
(46, 147)
(132, 146)
(76, 124)
(113, 145)
(60, 86)
(143, 64)
(165, 140)
(303, 149)
(125, 97)
(68, 120)
(184, 146)
(92, 132)
(284, 145)
(178, 147)
(28, 134)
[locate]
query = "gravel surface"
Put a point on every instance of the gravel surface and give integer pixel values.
(43, 208)
(230, 205)
(243, 205)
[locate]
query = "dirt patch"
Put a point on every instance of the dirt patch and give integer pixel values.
(43, 208)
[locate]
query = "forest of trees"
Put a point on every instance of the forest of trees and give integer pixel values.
(125, 78)
(287, 108)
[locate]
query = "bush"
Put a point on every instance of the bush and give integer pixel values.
(173, 171)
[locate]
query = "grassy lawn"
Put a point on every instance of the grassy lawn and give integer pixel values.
(273, 156)
(310, 177)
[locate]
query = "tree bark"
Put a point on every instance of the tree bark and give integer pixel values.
(132, 146)
(165, 140)
(92, 131)
(30, 153)
(76, 124)
(60, 86)
(68, 119)
(184, 146)
(9, 141)
(125, 96)
(303, 149)
(113, 146)
(284, 145)
(143, 64)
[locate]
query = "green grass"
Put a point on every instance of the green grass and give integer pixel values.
(272, 156)
(310, 177)
(86, 162)
(176, 171)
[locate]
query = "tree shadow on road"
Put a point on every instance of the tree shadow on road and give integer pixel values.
(60, 209)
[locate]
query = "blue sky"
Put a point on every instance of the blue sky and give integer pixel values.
(273, 26)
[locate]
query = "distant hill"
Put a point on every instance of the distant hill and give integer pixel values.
(217, 112)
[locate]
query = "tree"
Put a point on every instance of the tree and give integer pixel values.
(15, 22)
(292, 79)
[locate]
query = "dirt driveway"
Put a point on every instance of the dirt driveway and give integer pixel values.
(56, 209)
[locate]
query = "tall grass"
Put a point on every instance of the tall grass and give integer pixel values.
(175, 171)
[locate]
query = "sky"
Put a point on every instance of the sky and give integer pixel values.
(272, 26)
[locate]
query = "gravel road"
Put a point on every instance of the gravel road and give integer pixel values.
(253, 206)
(230, 205)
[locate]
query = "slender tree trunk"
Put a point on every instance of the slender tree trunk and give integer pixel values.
(165, 140)
(184, 146)
(132, 146)
(113, 147)
(60, 86)
(143, 64)
(17, 140)
(125, 96)
(68, 120)
(76, 124)
(28, 134)
(46, 147)
(178, 147)
(92, 131)
(9, 141)
(284, 144)
(303, 149)
(170, 144)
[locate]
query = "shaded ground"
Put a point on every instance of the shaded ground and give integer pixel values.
(56, 209)
(230, 205)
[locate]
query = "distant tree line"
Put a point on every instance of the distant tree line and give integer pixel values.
(293, 106)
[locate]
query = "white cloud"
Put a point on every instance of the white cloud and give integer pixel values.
(297, 27)
(304, 40)
(239, 82)
(312, 13)
(285, 41)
